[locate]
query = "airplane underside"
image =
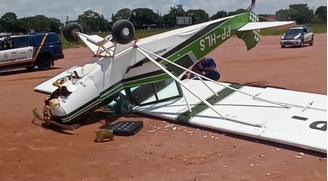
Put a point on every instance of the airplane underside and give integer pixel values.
(144, 76)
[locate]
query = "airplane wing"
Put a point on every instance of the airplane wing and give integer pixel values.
(263, 25)
(303, 124)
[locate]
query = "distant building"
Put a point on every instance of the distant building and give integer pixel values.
(149, 26)
(182, 21)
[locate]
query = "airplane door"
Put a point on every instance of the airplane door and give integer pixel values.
(24, 54)
(306, 35)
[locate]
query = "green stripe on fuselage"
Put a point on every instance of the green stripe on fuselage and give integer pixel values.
(147, 80)
(212, 39)
(186, 116)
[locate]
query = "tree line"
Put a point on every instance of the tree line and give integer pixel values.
(143, 18)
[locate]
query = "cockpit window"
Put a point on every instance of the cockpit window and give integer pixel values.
(154, 92)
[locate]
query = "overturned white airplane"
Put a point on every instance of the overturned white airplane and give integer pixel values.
(144, 76)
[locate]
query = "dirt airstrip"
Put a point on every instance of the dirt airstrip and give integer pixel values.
(33, 152)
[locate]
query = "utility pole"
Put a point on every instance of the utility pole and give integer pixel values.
(158, 23)
(67, 19)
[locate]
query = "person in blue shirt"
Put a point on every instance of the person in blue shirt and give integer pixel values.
(208, 65)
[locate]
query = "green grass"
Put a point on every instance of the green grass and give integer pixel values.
(317, 28)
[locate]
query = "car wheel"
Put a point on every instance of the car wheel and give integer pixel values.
(123, 31)
(283, 46)
(44, 62)
(70, 32)
(312, 42)
(302, 44)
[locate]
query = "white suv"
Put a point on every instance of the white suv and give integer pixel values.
(298, 35)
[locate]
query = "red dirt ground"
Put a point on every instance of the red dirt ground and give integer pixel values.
(33, 152)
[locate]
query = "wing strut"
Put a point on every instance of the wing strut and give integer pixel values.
(255, 97)
(208, 86)
(141, 50)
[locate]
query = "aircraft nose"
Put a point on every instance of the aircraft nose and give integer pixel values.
(56, 109)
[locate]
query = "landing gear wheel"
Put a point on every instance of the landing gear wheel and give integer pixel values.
(71, 31)
(123, 31)
(44, 62)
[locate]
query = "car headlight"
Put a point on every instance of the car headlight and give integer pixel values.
(283, 36)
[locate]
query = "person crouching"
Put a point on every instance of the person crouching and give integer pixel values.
(210, 69)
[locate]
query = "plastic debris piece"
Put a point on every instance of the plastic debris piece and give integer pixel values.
(167, 126)
(102, 135)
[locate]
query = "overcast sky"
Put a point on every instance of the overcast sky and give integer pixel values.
(72, 8)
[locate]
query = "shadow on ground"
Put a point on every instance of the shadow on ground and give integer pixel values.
(24, 71)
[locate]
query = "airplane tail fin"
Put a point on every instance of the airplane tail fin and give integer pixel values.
(251, 32)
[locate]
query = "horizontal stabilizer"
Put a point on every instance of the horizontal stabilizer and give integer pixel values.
(263, 25)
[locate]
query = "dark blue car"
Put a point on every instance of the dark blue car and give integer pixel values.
(28, 51)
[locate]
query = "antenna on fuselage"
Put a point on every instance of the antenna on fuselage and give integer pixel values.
(252, 6)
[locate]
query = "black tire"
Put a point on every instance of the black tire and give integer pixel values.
(30, 68)
(312, 42)
(123, 31)
(44, 62)
(70, 31)
(301, 44)
(283, 46)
